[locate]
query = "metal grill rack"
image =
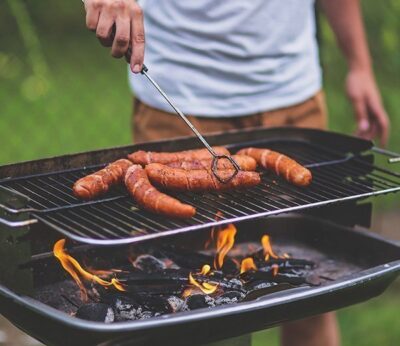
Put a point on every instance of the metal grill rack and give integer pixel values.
(116, 219)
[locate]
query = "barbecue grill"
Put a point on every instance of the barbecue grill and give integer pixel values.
(37, 207)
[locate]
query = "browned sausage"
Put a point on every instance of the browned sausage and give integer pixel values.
(282, 165)
(177, 179)
(99, 183)
(246, 163)
(149, 198)
(145, 157)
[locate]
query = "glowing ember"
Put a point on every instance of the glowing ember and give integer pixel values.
(268, 252)
(224, 242)
(72, 266)
(247, 264)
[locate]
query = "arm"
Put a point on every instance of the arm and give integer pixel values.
(118, 24)
(345, 19)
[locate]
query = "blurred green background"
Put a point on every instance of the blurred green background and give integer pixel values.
(61, 92)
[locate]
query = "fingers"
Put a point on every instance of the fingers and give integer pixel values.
(122, 37)
(118, 24)
(92, 14)
(361, 113)
(137, 40)
(380, 120)
(104, 28)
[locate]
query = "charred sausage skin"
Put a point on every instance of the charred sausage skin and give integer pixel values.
(99, 183)
(149, 198)
(282, 165)
(177, 179)
(146, 157)
(246, 163)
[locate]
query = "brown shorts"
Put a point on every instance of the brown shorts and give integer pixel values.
(151, 124)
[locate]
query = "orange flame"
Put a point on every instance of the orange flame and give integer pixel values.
(224, 242)
(205, 287)
(268, 252)
(72, 266)
(247, 264)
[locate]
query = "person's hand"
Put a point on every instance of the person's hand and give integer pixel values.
(118, 24)
(371, 117)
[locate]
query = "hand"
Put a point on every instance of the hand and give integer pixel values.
(371, 117)
(118, 24)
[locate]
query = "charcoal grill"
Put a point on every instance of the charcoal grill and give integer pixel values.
(37, 208)
(340, 173)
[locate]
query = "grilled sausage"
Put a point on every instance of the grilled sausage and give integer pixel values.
(177, 179)
(145, 157)
(246, 163)
(149, 198)
(99, 183)
(282, 165)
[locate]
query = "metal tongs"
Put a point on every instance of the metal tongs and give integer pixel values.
(216, 157)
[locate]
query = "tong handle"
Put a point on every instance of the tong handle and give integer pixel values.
(178, 111)
(216, 157)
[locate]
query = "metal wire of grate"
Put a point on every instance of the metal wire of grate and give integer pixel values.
(116, 218)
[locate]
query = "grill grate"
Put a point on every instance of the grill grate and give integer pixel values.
(116, 218)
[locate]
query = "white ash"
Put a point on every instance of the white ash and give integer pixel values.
(177, 304)
(110, 317)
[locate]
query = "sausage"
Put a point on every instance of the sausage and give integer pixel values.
(282, 165)
(178, 179)
(149, 198)
(246, 163)
(145, 157)
(99, 183)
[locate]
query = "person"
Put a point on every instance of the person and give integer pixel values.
(237, 64)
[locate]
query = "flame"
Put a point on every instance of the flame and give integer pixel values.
(224, 242)
(268, 252)
(247, 264)
(72, 266)
(205, 287)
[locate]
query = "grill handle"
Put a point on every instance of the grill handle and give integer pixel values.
(393, 157)
(17, 224)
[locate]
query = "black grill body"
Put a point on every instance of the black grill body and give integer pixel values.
(378, 259)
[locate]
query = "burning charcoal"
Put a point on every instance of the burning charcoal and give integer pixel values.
(149, 264)
(194, 260)
(258, 275)
(177, 304)
(229, 297)
(157, 304)
(198, 301)
(98, 312)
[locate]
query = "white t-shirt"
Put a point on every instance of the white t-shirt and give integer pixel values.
(224, 58)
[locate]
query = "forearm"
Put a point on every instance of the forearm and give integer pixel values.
(345, 18)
